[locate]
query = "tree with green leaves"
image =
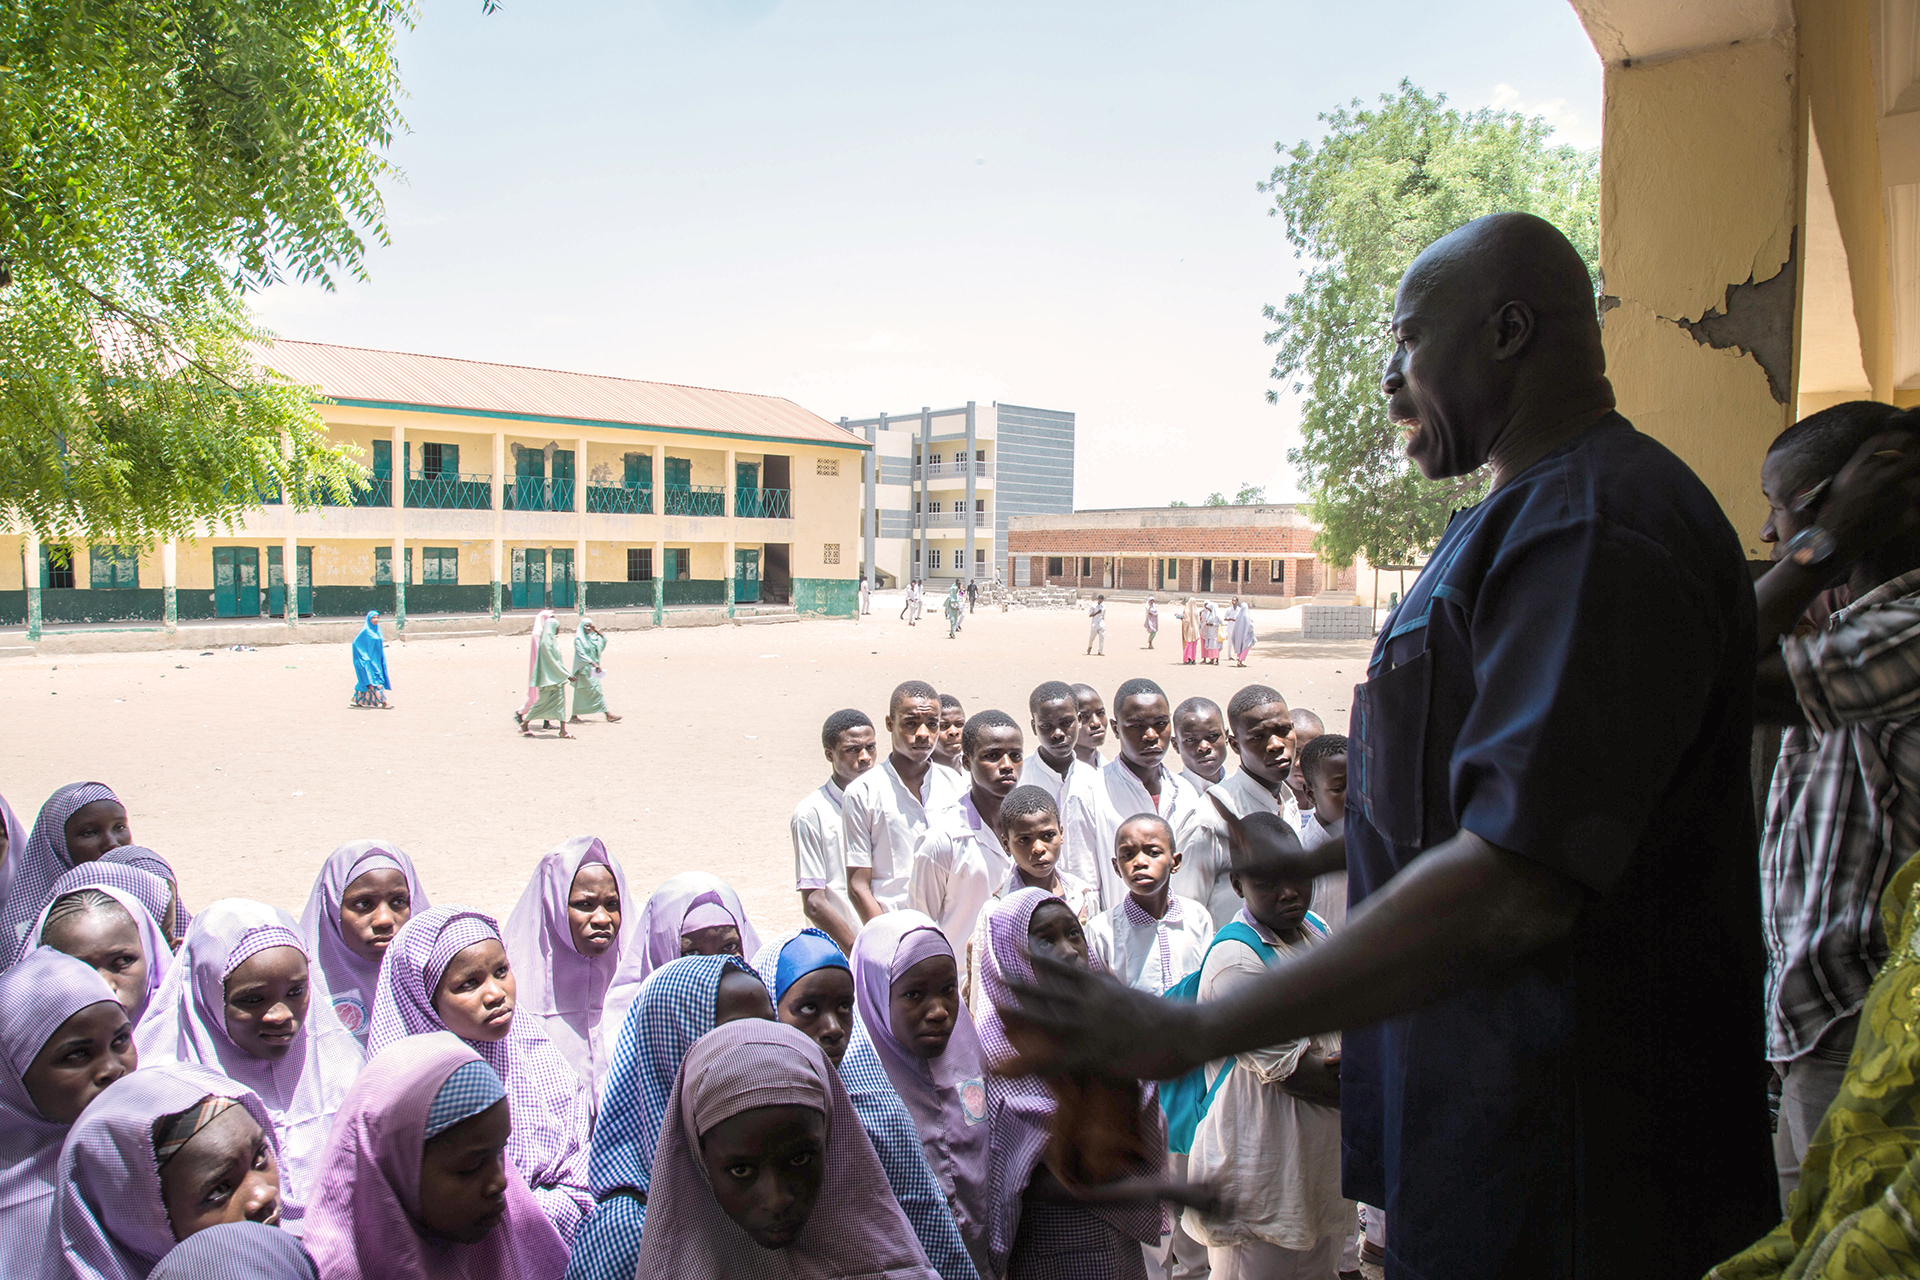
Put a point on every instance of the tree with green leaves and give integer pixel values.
(1359, 205)
(159, 162)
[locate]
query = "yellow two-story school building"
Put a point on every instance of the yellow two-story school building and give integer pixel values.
(495, 488)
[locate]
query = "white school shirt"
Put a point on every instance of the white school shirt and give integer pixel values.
(956, 868)
(1330, 890)
(1036, 772)
(1151, 955)
(819, 848)
(1198, 783)
(1206, 853)
(882, 820)
(1095, 805)
(1281, 1154)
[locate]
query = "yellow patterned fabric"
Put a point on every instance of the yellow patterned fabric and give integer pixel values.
(1856, 1215)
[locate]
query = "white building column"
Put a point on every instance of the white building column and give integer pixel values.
(659, 581)
(290, 578)
(399, 497)
(726, 565)
(580, 481)
(170, 584)
(499, 519)
(32, 566)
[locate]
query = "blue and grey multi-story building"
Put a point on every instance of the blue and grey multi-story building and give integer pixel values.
(941, 485)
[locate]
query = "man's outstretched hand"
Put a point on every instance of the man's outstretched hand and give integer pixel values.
(1071, 1020)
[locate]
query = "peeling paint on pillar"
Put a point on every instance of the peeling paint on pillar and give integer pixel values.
(1756, 320)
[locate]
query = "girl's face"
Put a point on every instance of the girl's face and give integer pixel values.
(225, 1173)
(463, 1176)
(97, 828)
(266, 1004)
(88, 1052)
(475, 994)
(107, 939)
(593, 911)
(1032, 840)
(765, 1166)
(923, 1003)
(720, 940)
(372, 910)
(741, 995)
(1053, 932)
(821, 1004)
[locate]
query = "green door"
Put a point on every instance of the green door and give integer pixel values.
(529, 480)
(746, 577)
(746, 489)
(560, 488)
(276, 583)
(529, 578)
(236, 582)
(303, 563)
(561, 577)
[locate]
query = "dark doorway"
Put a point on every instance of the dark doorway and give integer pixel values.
(776, 574)
(1206, 575)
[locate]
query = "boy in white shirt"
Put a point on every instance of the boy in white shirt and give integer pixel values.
(1136, 781)
(1272, 1131)
(819, 848)
(1055, 719)
(959, 863)
(885, 811)
(1323, 766)
(1260, 730)
(1200, 733)
(1151, 941)
(1030, 832)
(1306, 727)
(953, 719)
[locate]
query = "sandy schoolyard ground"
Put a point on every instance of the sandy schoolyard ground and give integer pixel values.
(246, 769)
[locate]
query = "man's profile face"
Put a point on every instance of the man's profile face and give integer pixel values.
(1437, 375)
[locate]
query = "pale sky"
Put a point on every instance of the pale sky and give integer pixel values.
(878, 206)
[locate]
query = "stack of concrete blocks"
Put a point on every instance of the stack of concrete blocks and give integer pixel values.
(1047, 597)
(1336, 621)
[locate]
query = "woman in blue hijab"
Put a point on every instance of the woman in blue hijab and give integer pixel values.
(370, 665)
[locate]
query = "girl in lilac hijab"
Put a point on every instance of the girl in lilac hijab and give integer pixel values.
(753, 1089)
(565, 939)
(237, 1251)
(1040, 1231)
(145, 859)
(695, 913)
(134, 1162)
(153, 893)
(906, 990)
(417, 1186)
(47, 856)
(112, 930)
(243, 1000)
(365, 891)
(447, 970)
(63, 1039)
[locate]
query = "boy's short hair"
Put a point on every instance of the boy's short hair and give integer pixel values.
(1319, 751)
(1308, 720)
(1139, 687)
(838, 723)
(910, 689)
(1051, 691)
(1173, 842)
(1254, 695)
(950, 703)
(981, 720)
(1195, 706)
(1023, 801)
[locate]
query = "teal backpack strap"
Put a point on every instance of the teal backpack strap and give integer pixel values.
(1187, 1099)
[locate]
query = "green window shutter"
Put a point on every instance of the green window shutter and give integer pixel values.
(639, 471)
(383, 459)
(382, 566)
(440, 565)
(679, 471)
(100, 567)
(563, 464)
(450, 459)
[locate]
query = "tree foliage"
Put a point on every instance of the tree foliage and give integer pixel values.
(158, 162)
(1359, 205)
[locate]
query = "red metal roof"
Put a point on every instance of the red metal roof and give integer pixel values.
(402, 379)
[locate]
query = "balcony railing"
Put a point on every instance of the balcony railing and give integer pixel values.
(537, 493)
(935, 519)
(450, 490)
(620, 500)
(378, 493)
(763, 504)
(695, 500)
(982, 468)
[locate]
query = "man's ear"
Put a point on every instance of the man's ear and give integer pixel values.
(1513, 329)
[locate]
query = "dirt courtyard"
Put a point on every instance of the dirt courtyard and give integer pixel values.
(246, 769)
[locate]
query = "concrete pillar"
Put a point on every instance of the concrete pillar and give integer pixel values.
(1703, 175)
(726, 569)
(169, 585)
(580, 481)
(500, 483)
(33, 584)
(967, 572)
(870, 511)
(580, 576)
(290, 578)
(926, 442)
(499, 555)
(659, 570)
(399, 528)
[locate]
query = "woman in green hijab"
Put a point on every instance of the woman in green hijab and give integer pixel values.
(1854, 1215)
(588, 697)
(548, 677)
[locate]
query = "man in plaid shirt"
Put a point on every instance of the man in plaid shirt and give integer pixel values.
(1844, 810)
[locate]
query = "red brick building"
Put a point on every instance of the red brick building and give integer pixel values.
(1259, 551)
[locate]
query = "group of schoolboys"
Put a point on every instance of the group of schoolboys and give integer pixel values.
(953, 813)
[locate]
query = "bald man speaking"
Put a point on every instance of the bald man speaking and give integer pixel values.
(1551, 981)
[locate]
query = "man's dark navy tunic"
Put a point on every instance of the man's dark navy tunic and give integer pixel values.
(1571, 679)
